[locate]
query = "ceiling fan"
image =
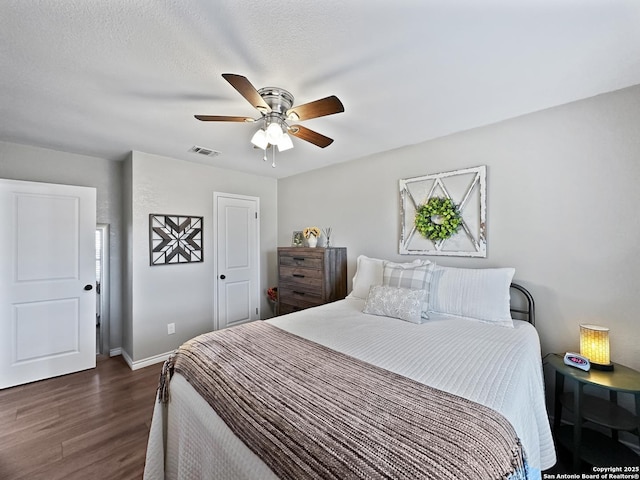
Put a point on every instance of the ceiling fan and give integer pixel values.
(276, 113)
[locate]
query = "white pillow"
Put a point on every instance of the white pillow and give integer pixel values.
(416, 276)
(368, 273)
(473, 293)
(402, 303)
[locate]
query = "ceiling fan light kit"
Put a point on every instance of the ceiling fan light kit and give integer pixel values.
(274, 133)
(285, 143)
(276, 109)
(259, 139)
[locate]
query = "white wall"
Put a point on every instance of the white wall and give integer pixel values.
(562, 199)
(160, 185)
(563, 193)
(20, 162)
(183, 294)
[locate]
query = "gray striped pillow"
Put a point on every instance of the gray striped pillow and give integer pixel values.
(414, 276)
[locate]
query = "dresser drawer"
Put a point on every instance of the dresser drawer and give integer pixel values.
(301, 296)
(288, 308)
(306, 261)
(301, 276)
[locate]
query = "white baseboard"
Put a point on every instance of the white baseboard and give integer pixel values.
(114, 352)
(145, 362)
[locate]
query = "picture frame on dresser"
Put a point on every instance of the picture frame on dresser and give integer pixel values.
(297, 239)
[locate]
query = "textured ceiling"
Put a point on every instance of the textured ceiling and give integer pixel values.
(103, 78)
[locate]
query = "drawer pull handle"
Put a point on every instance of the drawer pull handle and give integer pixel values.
(299, 259)
(297, 275)
(298, 293)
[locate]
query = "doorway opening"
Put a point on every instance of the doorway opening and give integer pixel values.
(102, 291)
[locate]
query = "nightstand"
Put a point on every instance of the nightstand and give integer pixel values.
(586, 444)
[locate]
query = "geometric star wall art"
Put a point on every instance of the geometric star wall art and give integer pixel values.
(467, 189)
(175, 239)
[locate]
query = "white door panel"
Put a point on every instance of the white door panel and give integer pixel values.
(237, 259)
(47, 318)
(40, 255)
(237, 302)
(45, 329)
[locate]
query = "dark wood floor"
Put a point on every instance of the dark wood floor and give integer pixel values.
(88, 425)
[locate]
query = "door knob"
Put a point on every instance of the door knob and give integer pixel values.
(222, 277)
(88, 287)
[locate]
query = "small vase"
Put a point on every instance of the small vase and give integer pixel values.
(312, 241)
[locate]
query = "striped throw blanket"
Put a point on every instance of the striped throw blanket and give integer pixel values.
(310, 412)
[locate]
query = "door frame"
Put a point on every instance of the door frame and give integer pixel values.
(105, 289)
(214, 233)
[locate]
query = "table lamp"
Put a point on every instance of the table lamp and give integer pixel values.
(594, 344)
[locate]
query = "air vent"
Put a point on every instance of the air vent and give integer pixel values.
(204, 151)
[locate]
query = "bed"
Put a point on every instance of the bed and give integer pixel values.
(421, 372)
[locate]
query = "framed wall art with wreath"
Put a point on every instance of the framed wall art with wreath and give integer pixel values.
(444, 214)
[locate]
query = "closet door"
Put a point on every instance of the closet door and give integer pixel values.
(237, 245)
(47, 280)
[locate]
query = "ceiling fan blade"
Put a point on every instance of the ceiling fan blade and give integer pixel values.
(248, 91)
(316, 138)
(223, 118)
(319, 108)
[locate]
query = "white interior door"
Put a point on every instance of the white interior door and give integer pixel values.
(47, 280)
(237, 259)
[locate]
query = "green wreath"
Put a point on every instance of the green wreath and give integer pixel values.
(438, 219)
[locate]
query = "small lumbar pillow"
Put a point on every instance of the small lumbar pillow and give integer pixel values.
(473, 293)
(402, 303)
(415, 276)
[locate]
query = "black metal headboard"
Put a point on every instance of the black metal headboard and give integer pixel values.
(522, 305)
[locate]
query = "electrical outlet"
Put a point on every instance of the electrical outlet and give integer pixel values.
(171, 328)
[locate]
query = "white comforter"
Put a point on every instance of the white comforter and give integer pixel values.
(496, 366)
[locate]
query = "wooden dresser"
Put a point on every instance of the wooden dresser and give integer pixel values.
(308, 277)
